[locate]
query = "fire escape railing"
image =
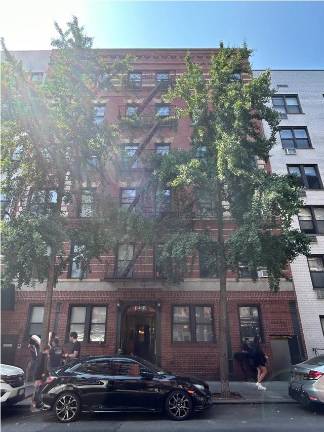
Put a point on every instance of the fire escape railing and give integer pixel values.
(154, 121)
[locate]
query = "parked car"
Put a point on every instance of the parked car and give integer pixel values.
(307, 382)
(12, 384)
(121, 383)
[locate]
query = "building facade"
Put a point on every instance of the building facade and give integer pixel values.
(116, 308)
(300, 151)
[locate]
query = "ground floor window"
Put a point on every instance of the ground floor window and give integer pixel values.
(322, 322)
(35, 324)
(89, 322)
(250, 325)
(192, 324)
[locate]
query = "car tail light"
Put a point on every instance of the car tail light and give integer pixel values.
(314, 375)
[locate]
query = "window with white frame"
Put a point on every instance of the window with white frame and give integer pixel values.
(35, 325)
(89, 322)
(311, 220)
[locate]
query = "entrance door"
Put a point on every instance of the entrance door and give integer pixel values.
(138, 331)
(281, 360)
(8, 349)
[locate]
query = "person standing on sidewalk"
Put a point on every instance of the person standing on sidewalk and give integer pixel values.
(259, 360)
(34, 350)
(75, 349)
(55, 354)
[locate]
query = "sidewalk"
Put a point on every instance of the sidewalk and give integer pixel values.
(277, 392)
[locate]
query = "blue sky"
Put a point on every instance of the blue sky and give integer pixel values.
(284, 35)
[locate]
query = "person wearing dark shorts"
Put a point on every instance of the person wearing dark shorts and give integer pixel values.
(259, 360)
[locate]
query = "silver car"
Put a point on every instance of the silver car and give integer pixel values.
(307, 382)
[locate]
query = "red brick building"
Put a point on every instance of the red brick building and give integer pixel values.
(131, 310)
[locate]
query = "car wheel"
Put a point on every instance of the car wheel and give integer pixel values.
(67, 407)
(178, 405)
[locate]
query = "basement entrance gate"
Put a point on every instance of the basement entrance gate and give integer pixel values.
(138, 331)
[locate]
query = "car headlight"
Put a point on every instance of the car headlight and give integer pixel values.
(199, 387)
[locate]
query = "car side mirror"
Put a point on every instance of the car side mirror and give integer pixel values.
(145, 373)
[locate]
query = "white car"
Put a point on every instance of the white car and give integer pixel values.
(12, 384)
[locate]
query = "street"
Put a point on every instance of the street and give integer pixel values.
(251, 418)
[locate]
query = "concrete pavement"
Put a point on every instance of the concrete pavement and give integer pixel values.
(219, 418)
(277, 392)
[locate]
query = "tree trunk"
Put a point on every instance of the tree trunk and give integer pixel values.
(48, 300)
(223, 325)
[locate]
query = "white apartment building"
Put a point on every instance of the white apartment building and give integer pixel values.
(300, 150)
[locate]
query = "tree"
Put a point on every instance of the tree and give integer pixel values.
(227, 141)
(51, 147)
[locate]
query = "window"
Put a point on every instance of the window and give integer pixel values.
(163, 200)
(135, 80)
(207, 263)
(311, 220)
(89, 322)
(99, 113)
(236, 76)
(42, 201)
(162, 149)
(131, 110)
(36, 321)
(316, 268)
(87, 203)
(37, 77)
(162, 78)
(162, 110)
(201, 153)
(250, 325)
(127, 197)
(192, 324)
(124, 258)
(244, 272)
(76, 269)
(322, 323)
(286, 104)
(205, 203)
(294, 138)
(307, 174)
(4, 205)
(181, 324)
(129, 153)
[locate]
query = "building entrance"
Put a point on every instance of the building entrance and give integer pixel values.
(138, 331)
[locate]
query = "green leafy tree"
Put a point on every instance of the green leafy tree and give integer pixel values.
(227, 140)
(51, 147)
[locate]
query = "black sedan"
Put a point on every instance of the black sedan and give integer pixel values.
(121, 383)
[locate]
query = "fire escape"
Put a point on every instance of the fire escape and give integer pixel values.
(152, 121)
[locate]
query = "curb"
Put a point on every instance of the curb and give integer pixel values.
(253, 401)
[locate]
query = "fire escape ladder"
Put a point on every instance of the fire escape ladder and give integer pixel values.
(149, 97)
(145, 142)
(133, 260)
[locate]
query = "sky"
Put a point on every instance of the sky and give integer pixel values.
(283, 35)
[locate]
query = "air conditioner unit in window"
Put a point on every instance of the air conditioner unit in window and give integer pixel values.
(312, 238)
(290, 151)
(263, 273)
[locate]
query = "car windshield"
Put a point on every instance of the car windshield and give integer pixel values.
(315, 361)
(153, 367)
